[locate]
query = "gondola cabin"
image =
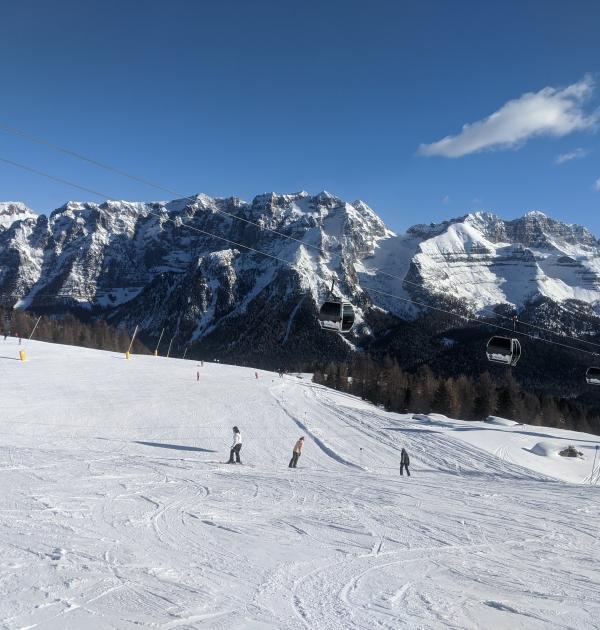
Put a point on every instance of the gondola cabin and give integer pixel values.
(336, 316)
(592, 376)
(503, 350)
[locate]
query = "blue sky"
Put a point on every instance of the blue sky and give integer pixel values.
(239, 98)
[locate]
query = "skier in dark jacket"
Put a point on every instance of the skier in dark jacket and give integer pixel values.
(404, 461)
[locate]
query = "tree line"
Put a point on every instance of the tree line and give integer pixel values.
(69, 330)
(462, 397)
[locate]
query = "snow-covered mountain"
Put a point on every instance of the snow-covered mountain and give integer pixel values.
(162, 265)
(11, 211)
(485, 262)
(159, 265)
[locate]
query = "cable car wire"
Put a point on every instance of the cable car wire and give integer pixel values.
(38, 140)
(288, 262)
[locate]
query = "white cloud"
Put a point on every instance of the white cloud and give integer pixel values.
(446, 200)
(577, 154)
(551, 111)
(597, 184)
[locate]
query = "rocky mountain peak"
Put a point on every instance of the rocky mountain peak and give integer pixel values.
(535, 215)
(11, 211)
(535, 229)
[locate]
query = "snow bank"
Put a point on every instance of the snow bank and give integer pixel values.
(546, 449)
(430, 418)
(503, 422)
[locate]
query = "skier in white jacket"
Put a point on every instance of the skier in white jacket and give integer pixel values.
(236, 447)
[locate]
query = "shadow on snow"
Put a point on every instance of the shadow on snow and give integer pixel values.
(175, 447)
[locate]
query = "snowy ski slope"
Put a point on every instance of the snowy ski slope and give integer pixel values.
(116, 511)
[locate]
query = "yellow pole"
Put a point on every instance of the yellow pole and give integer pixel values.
(22, 353)
(128, 353)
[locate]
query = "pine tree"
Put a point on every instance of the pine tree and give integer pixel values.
(342, 377)
(454, 405)
(424, 386)
(486, 399)
(445, 400)
(509, 399)
(531, 407)
(441, 398)
(465, 393)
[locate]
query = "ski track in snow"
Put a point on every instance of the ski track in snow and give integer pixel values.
(116, 511)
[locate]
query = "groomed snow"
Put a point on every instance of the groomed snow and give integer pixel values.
(116, 512)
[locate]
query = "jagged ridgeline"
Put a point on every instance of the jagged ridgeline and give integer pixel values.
(138, 264)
